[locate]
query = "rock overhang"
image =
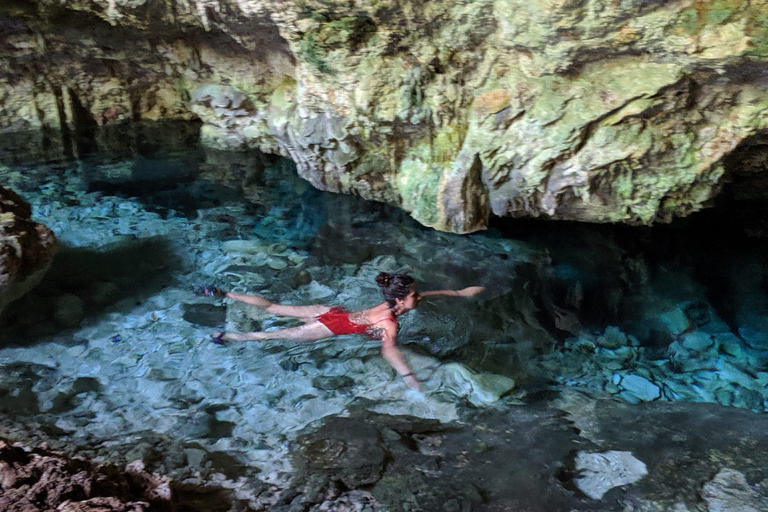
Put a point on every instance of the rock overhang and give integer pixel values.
(452, 111)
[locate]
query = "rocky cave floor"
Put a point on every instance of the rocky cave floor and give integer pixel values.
(592, 374)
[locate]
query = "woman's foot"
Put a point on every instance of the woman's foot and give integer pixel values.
(212, 291)
(223, 337)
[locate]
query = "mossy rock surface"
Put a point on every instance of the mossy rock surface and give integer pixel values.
(454, 111)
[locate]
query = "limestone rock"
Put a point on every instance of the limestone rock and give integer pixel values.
(453, 111)
(697, 341)
(346, 449)
(40, 479)
(730, 492)
(602, 472)
(477, 388)
(640, 387)
(613, 338)
(26, 248)
(332, 382)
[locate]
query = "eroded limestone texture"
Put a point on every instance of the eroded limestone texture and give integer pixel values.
(26, 248)
(41, 479)
(593, 111)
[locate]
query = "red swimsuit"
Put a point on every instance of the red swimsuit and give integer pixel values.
(337, 321)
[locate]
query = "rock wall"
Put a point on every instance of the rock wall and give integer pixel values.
(34, 479)
(26, 248)
(571, 109)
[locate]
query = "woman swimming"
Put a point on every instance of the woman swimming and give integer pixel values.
(378, 322)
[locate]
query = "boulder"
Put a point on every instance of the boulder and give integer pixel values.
(729, 491)
(41, 479)
(613, 338)
(26, 248)
(601, 472)
(640, 387)
(697, 341)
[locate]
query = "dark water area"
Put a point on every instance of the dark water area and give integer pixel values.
(110, 356)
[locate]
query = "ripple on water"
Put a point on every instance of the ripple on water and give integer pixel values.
(563, 306)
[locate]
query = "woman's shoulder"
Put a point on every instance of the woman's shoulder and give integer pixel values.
(384, 328)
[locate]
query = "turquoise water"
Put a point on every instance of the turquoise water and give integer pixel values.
(111, 353)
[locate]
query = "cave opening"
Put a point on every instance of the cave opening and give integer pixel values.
(741, 202)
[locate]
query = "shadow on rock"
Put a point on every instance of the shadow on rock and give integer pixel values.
(490, 461)
(83, 283)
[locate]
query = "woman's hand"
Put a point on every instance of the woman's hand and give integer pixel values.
(470, 291)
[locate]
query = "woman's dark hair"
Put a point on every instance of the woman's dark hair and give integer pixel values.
(394, 286)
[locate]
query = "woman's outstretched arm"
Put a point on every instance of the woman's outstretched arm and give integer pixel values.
(466, 292)
(392, 354)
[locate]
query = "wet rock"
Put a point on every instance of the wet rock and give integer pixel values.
(346, 450)
(613, 338)
(302, 278)
(680, 443)
(40, 479)
(404, 464)
(477, 388)
(640, 387)
(675, 321)
(207, 315)
(749, 399)
(102, 293)
(581, 345)
(17, 393)
(600, 472)
(332, 382)
(755, 338)
(26, 248)
(697, 342)
(290, 365)
(730, 344)
(729, 372)
(729, 491)
(68, 310)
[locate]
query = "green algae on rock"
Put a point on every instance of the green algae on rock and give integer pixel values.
(454, 111)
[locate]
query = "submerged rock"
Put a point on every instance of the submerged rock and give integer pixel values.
(600, 472)
(640, 387)
(332, 382)
(478, 389)
(207, 315)
(68, 310)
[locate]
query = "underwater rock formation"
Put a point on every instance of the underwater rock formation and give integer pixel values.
(590, 111)
(26, 248)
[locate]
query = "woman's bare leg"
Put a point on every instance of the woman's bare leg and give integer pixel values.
(311, 331)
(279, 309)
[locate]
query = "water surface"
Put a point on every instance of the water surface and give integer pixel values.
(111, 353)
